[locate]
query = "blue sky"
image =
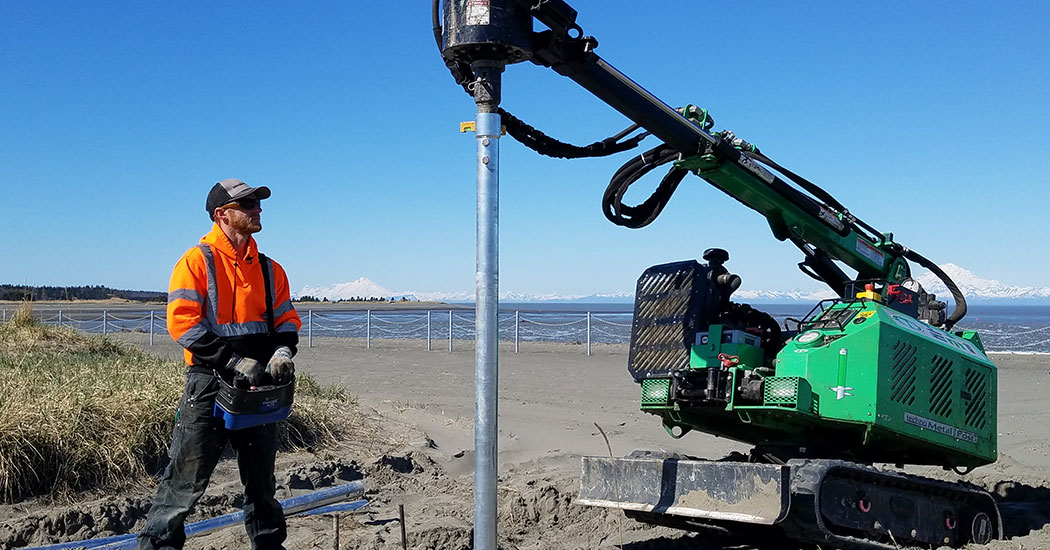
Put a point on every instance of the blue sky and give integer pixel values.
(927, 119)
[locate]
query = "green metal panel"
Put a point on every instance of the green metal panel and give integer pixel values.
(938, 388)
(838, 366)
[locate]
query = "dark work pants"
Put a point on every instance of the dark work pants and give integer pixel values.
(197, 444)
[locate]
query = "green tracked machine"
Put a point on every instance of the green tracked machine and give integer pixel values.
(860, 381)
(877, 376)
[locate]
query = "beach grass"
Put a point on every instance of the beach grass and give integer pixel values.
(87, 413)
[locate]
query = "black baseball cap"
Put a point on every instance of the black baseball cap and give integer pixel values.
(229, 190)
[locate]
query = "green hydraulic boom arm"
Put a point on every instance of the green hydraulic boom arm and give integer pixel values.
(812, 225)
(803, 213)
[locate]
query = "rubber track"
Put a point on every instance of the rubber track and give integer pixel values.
(961, 491)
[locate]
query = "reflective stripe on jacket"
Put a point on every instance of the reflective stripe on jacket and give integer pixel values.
(217, 304)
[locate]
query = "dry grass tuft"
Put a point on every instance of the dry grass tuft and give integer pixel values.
(81, 412)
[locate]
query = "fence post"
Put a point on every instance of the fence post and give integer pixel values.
(368, 329)
(151, 327)
(428, 330)
(588, 334)
(516, 321)
(450, 330)
(103, 322)
(309, 328)
(60, 317)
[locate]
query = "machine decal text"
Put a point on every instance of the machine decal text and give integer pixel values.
(940, 427)
(870, 253)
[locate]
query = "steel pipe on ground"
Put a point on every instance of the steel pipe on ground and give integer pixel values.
(308, 504)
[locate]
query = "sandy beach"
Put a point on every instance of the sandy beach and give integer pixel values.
(418, 453)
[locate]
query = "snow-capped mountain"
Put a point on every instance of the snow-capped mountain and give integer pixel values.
(361, 288)
(977, 289)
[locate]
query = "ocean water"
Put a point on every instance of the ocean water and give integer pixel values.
(1017, 329)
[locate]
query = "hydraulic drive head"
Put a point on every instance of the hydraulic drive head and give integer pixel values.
(497, 31)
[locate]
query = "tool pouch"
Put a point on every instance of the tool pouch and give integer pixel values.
(243, 408)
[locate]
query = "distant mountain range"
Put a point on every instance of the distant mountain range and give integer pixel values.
(976, 290)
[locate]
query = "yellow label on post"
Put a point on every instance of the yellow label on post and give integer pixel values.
(467, 126)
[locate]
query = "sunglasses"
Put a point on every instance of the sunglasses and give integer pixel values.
(243, 204)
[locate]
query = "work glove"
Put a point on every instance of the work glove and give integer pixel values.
(280, 366)
(246, 367)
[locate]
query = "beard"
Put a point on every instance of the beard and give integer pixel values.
(246, 224)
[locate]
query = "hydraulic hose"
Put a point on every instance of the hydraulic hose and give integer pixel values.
(525, 134)
(960, 301)
(548, 146)
(643, 214)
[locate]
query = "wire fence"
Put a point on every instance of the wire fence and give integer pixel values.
(443, 327)
(439, 327)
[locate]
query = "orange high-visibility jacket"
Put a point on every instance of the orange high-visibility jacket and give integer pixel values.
(217, 304)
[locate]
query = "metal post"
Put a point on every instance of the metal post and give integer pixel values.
(309, 328)
(368, 329)
(151, 327)
(60, 317)
(335, 521)
(428, 330)
(486, 337)
(516, 321)
(450, 330)
(588, 334)
(103, 322)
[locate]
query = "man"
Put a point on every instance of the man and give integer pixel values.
(217, 310)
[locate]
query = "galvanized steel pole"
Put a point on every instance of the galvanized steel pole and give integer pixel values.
(151, 327)
(428, 330)
(486, 369)
(310, 328)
